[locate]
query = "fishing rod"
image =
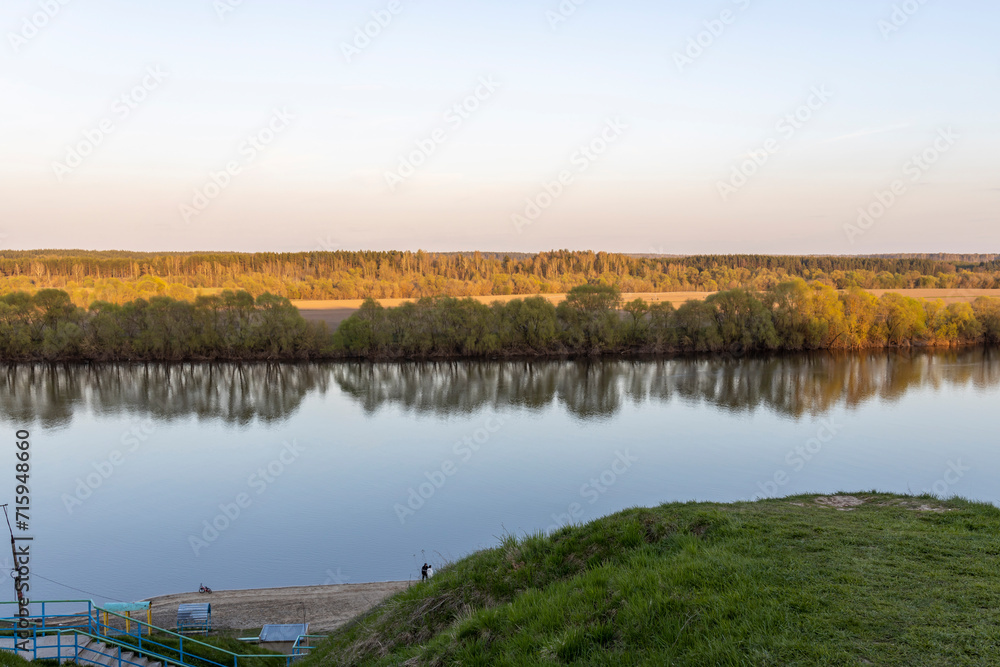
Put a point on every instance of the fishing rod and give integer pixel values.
(14, 572)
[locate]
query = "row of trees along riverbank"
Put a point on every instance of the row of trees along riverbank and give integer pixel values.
(46, 326)
(796, 315)
(792, 316)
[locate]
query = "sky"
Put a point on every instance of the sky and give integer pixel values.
(729, 126)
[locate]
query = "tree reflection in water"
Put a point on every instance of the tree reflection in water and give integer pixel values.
(244, 393)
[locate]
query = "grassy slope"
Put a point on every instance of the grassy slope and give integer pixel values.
(766, 583)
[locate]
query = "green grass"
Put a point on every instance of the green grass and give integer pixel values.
(765, 583)
(9, 659)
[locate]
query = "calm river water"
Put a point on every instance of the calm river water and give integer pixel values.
(152, 479)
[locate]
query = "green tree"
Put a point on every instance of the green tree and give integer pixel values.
(528, 324)
(903, 319)
(988, 314)
(861, 320)
(589, 318)
(698, 327)
(638, 326)
(662, 331)
(744, 323)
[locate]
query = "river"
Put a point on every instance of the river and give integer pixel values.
(152, 479)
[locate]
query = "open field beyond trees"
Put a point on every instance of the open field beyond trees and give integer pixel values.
(335, 311)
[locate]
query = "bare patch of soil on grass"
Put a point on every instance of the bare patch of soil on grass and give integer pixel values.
(850, 503)
(841, 503)
(916, 506)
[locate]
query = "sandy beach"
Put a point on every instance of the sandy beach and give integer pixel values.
(325, 608)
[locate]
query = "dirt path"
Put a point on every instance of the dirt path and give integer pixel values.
(325, 608)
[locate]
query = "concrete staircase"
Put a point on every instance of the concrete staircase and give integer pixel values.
(88, 651)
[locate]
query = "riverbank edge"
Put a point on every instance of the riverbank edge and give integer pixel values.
(162, 596)
(638, 354)
(324, 607)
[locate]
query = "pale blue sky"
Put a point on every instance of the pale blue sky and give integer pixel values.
(321, 182)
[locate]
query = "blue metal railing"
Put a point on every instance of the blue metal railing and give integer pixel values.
(61, 624)
(80, 654)
(69, 647)
(46, 618)
(301, 648)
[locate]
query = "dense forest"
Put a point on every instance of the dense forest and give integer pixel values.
(794, 315)
(122, 277)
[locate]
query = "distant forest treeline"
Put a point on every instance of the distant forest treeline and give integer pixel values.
(121, 277)
(793, 315)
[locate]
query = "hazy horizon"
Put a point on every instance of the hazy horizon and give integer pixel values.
(739, 127)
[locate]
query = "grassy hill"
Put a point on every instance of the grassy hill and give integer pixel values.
(850, 580)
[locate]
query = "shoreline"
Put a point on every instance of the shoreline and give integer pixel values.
(645, 353)
(325, 608)
(151, 598)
